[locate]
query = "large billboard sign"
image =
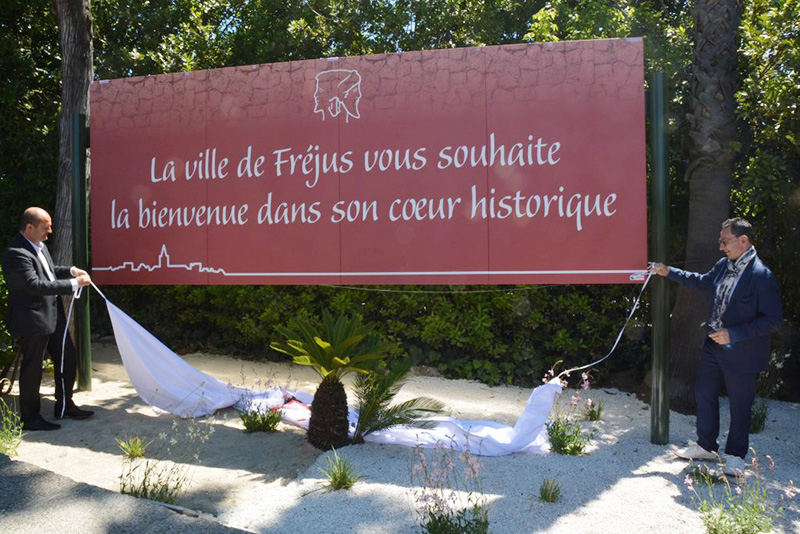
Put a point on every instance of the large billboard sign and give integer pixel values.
(519, 164)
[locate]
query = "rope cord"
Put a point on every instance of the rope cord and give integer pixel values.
(619, 336)
(76, 295)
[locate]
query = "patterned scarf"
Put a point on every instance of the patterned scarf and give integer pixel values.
(723, 290)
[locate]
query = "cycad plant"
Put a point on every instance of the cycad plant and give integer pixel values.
(375, 392)
(344, 346)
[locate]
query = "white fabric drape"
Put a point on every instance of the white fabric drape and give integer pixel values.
(164, 380)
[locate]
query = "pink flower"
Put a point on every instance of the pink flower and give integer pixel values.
(790, 490)
(687, 480)
(585, 383)
(576, 399)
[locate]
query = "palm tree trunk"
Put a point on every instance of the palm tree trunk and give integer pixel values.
(328, 426)
(75, 28)
(712, 152)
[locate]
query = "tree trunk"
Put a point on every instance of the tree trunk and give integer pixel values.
(75, 29)
(712, 151)
(328, 427)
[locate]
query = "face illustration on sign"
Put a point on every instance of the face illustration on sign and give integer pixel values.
(338, 90)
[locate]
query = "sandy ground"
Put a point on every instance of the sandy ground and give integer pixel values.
(272, 482)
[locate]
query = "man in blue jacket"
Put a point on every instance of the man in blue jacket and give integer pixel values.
(746, 310)
(37, 320)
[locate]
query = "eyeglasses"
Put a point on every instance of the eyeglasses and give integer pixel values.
(726, 241)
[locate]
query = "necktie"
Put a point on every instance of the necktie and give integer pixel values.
(46, 267)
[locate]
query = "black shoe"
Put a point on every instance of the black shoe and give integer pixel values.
(39, 424)
(72, 412)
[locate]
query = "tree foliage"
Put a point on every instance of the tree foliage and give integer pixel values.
(506, 335)
(767, 184)
(29, 100)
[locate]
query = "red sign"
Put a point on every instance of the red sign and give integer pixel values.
(521, 164)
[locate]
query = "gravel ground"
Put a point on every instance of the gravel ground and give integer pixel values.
(272, 482)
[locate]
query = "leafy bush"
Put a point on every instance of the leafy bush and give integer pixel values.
(260, 421)
(6, 345)
(565, 436)
(495, 334)
(10, 430)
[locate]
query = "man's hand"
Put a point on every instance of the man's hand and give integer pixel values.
(83, 279)
(74, 271)
(722, 337)
(659, 269)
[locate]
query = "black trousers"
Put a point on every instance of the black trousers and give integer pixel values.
(30, 372)
(713, 370)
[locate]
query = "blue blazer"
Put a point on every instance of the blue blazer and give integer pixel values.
(31, 295)
(753, 314)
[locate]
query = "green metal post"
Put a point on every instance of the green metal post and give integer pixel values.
(659, 401)
(80, 249)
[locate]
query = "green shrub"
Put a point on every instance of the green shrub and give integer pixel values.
(565, 436)
(260, 421)
(6, 346)
(550, 490)
(495, 334)
(10, 430)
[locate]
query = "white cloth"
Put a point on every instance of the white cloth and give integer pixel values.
(164, 380)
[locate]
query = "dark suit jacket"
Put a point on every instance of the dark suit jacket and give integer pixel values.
(31, 295)
(753, 313)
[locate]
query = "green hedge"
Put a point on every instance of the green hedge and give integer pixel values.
(6, 350)
(493, 334)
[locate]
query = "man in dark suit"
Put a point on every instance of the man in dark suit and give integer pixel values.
(746, 310)
(36, 318)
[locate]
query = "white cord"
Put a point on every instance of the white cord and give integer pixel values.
(63, 355)
(619, 336)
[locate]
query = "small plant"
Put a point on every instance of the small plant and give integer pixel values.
(742, 507)
(565, 436)
(165, 476)
(153, 479)
(448, 492)
(340, 473)
(10, 430)
(133, 447)
(550, 490)
(256, 420)
(592, 411)
(375, 392)
(341, 347)
(758, 418)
